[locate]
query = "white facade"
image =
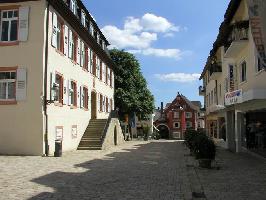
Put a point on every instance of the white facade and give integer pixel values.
(76, 84)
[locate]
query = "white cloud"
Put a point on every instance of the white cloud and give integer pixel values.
(126, 39)
(151, 22)
(168, 53)
(132, 25)
(178, 77)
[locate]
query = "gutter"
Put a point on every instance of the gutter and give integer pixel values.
(45, 83)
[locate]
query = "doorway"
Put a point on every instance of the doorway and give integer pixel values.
(164, 131)
(93, 105)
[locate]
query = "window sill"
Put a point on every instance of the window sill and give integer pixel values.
(2, 102)
(58, 104)
(73, 107)
(242, 83)
(60, 52)
(2, 44)
(259, 72)
(85, 109)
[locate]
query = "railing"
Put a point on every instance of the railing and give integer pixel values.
(239, 32)
(216, 67)
(113, 114)
(201, 90)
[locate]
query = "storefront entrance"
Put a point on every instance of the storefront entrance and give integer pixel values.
(255, 138)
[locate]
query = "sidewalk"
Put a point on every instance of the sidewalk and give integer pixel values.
(235, 177)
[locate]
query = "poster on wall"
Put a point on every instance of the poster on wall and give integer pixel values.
(59, 133)
(257, 16)
(231, 78)
(74, 132)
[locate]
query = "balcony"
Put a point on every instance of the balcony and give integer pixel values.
(201, 90)
(215, 70)
(238, 39)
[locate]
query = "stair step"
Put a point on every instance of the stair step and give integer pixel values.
(89, 148)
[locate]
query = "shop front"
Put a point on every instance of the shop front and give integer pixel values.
(246, 126)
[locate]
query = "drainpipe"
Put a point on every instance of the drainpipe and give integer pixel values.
(45, 83)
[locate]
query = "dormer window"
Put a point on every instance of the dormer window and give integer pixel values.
(83, 18)
(91, 29)
(73, 6)
(98, 38)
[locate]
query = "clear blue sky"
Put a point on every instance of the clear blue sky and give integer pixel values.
(170, 38)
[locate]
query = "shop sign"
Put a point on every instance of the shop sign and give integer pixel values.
(233, 97)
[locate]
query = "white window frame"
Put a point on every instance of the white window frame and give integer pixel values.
(174, 124)
(176, 115)
(9, 27)
(72, 92)
(83, 18)
(91, 28)
(108, 76)
(73, 6)
(241, 71)
(178, 133)
(8, 81)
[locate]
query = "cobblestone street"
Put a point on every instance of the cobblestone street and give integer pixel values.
(140, 171)
(155, 170)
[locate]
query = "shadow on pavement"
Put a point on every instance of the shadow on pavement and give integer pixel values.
(148, 171)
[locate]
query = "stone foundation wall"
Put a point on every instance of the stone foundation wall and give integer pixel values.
(110, 139)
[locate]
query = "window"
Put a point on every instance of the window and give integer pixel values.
(98, 38)
(58, 89)
(101, 103)
(220, 90)
(91, 28)
(84, 97)
(98, 65)
(259, 64)
(82, 54)
(108, 76)
(71, 47)
(111, 78)
(104, 106)
(207, 102)
(104, 72)
(188, 115)
(176, 124)
(176, 115)
(8, 85)
(83, 18)
(90, 58)
(9, 25)
(211, 97)
(60, 36)
(111, 104)
(188, 124)
(73, 93)
(107, 105)
(73, 6)
(243, 71)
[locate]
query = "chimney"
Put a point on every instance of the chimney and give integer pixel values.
(161, 109)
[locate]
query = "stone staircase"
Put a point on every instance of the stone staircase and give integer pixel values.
(92, 138)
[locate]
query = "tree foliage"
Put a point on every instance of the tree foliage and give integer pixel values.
(131, 92)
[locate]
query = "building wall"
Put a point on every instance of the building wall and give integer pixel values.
(22, 124)
(65, 116)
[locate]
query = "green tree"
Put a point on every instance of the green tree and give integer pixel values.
(131, 92)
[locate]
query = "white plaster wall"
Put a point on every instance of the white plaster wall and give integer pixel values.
(21, 125)
(65, 116)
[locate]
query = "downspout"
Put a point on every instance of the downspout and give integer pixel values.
(45, 83)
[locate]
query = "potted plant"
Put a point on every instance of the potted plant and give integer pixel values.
(205, 150)
(189, 137)
(146, 130)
